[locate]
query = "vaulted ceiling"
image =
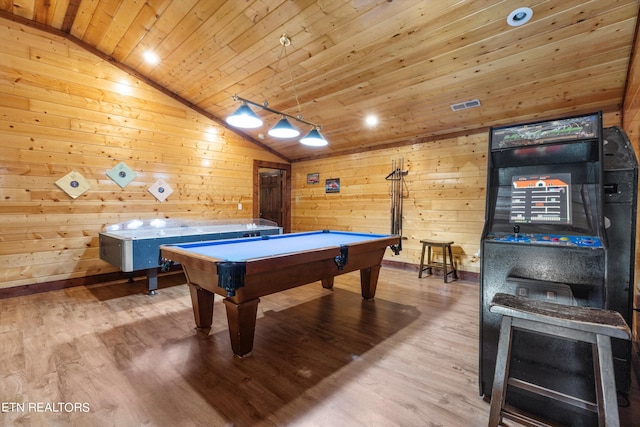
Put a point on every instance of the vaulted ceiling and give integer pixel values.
(404, 61)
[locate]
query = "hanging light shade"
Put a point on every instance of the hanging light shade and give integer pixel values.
(244, 118)
(283, 129)
(314, 139)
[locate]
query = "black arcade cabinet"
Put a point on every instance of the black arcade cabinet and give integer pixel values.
(559, 227)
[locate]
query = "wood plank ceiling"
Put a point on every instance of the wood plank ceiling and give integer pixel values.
(406, 61)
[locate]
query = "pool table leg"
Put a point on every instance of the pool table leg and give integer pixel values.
(369, 281)
(327, 283)
(242, 325)
(202, 301)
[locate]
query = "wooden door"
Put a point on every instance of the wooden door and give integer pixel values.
(272, 192)
(271, 195)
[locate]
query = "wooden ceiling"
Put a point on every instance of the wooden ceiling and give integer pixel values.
(406, 61)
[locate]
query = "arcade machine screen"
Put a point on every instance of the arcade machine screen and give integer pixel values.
(541, 199)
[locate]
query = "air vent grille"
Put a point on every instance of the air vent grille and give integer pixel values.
(464, 105)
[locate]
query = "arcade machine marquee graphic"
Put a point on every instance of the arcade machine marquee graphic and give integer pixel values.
(546, 132)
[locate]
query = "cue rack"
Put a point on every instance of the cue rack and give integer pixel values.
(397, 186)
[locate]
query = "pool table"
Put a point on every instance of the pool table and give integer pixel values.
(243, 270)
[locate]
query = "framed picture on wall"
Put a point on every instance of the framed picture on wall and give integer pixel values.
(332, 185)
(313, 178)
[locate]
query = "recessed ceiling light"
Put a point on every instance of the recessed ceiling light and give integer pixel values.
(150, 57)
(520, 16)
(371, 120)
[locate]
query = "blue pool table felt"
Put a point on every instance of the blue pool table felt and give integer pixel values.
(238, 250)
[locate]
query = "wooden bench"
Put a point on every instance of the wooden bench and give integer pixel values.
(447, 266)
(592, 325)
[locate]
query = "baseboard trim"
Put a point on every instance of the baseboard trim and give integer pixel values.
(56, 285)
(462, 275)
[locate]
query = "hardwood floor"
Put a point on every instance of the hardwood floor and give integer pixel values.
(321, 358)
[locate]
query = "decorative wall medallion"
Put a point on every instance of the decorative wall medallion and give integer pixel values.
(161, 190)
(121, 174)
(74, 184)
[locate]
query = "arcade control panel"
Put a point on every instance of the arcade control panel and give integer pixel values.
(552, 239)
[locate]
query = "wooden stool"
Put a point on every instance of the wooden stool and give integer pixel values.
(446, 248)
(592, 325)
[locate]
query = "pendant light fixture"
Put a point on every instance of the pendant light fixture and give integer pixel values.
(314, 139)
(245, 118)
(283, 129)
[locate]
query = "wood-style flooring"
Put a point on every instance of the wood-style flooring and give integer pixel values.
(109, 355)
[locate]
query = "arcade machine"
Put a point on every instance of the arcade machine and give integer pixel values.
(559, 227)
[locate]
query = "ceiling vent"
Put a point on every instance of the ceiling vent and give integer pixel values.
(465, 105)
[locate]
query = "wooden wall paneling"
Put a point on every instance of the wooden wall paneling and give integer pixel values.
(61, 111)
(12, 245)
(314, 209)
